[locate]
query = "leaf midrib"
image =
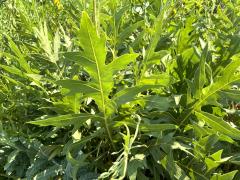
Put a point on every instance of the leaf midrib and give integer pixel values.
(100, 86)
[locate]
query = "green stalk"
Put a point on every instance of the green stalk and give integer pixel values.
(96, 13)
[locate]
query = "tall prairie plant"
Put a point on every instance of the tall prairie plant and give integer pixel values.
(120, 90)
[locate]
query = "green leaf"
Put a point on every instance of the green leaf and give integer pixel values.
(11, 159)
(76, 86)
(227, 176)
(157, 57)
(157, 127)
(200, 74)
(64, 120)
(13, 70)
(211, 161)
(14, 81)
(130, 94)
(81, 159)
(20, 56)
(230, 94)
(158, 79)
(36, 166)
(144, 127)
(129, 30)
(49, 173)
(121, 62)
(119, 15)
(158, 28)
(219, 125)
(156, 102)
(210, 94)
(51, 49)
(136, 162)
(173, 168)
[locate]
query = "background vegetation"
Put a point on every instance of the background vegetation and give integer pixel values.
(138, 89)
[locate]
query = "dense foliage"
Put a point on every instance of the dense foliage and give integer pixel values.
(115, 89)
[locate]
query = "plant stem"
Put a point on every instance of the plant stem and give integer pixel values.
(95, 14)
